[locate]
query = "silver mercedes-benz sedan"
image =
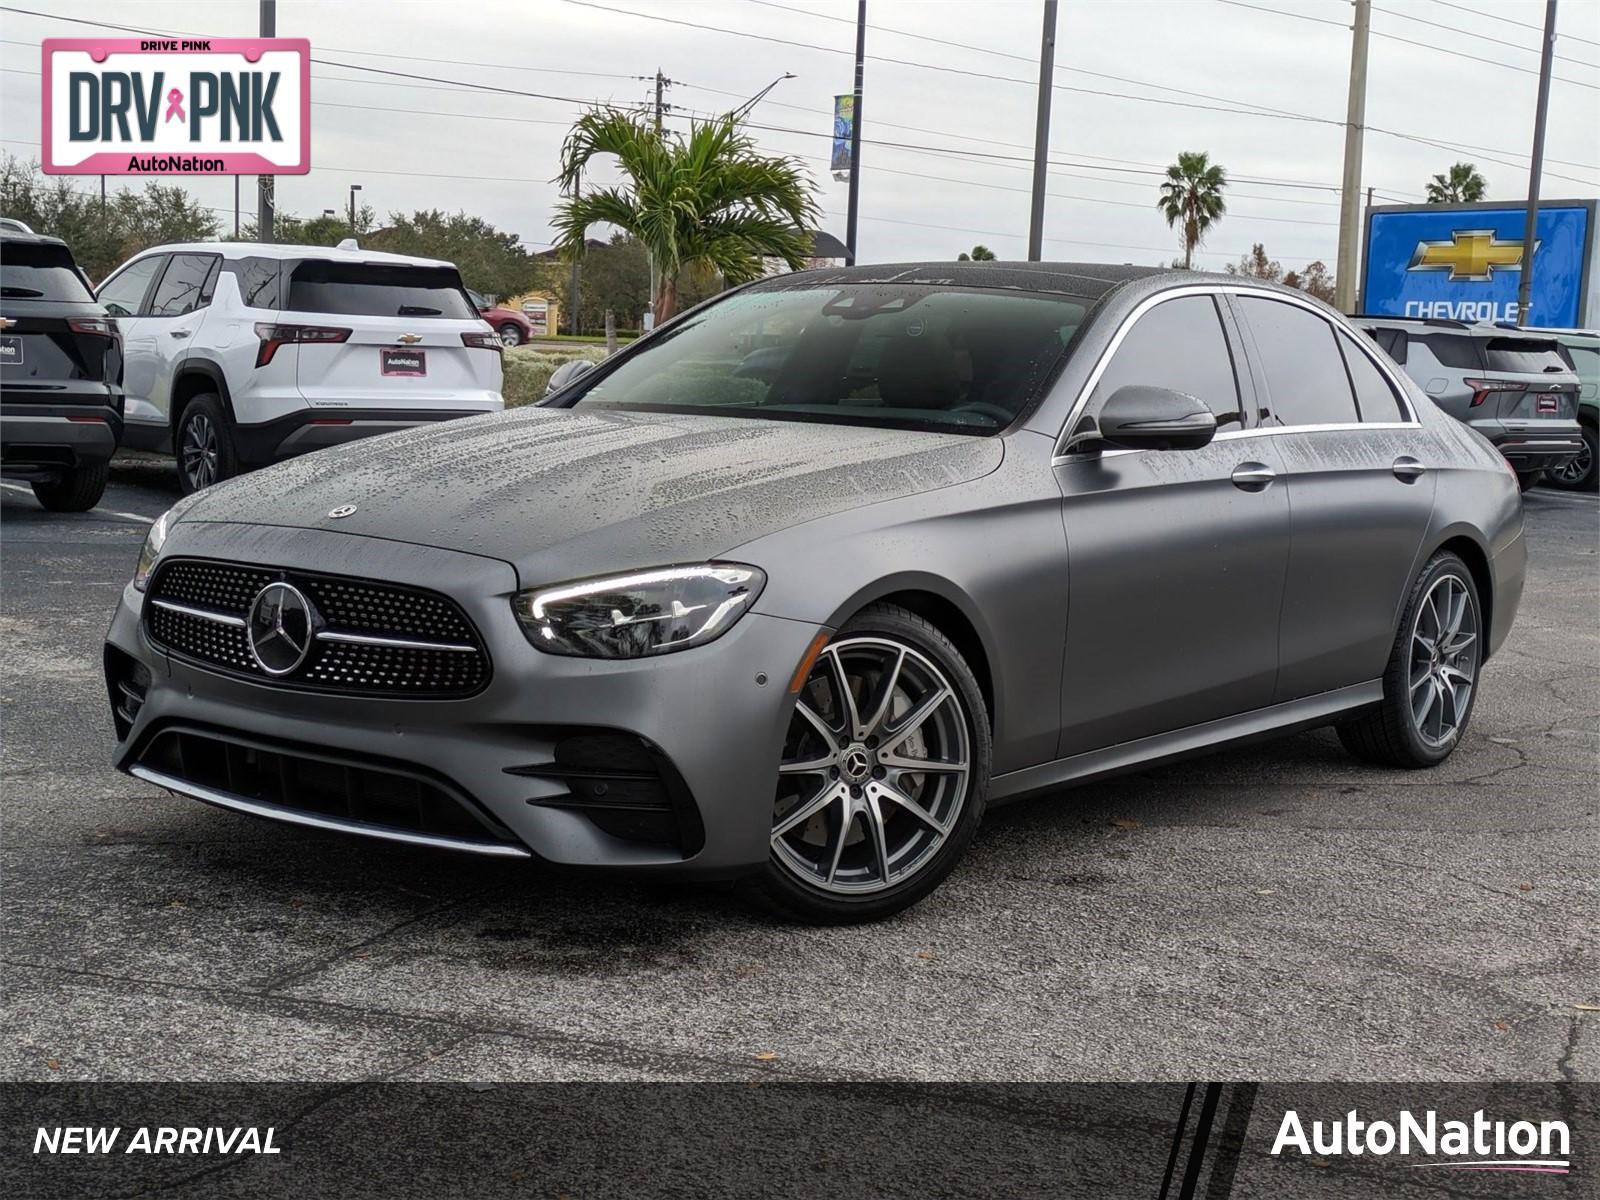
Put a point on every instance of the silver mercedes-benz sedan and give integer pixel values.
(796, 587)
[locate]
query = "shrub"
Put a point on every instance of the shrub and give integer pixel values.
(528, 370)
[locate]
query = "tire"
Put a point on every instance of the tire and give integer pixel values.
(860, 837)
(78, 490)
(510, 334)
(204, 444)
(1526, 479)
(1582, 474)
(1394, 734)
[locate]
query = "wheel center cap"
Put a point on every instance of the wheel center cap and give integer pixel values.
(855, 764)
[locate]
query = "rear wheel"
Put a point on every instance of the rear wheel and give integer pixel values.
(884, 774)
(206, 453)
(1581, 474)
(510, 334)
(78, 490)
(1431, 680)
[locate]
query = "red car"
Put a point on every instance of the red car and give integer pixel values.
(513, 328)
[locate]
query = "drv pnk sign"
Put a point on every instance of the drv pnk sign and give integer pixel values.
(177, 106)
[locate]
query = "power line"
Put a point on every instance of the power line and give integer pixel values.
(1505, 20)
(1482, 37)
(1282, 12)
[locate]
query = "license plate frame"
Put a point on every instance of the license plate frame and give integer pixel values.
(402, 362)
(11, 350)
(1548, 405)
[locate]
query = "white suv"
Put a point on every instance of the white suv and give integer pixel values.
(237, 354)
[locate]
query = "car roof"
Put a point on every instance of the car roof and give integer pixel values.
(1470, 329)
(287, 250)
(27, 235)
(1083, 280)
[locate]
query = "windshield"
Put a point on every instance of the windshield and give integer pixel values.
(377, 290)
(904, 355)
(40, 271)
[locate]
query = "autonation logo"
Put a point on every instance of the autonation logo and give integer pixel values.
(1476, 1145)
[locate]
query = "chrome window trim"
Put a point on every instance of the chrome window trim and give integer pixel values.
(1224, 289)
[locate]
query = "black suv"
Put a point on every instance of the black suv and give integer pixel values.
(60, 374)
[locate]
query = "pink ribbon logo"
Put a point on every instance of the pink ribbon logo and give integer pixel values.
(175, 105)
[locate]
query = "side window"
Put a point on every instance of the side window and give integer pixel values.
(1392, 342)
(1304, 369)
(1179, 344)
(185, 286)
(258, 280)
(1374, 395)
(1458, 351)
(123, 293)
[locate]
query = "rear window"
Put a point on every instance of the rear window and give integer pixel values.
(377, 290)
(1458, 351)
(899, 355)
(1528, 356)
(40, 271)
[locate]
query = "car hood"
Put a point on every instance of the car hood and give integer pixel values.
(560, 494)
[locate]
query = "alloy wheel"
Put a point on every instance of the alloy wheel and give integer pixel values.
(199, 450)
(1444, 660)
(511, 335)
(876, 768)
(1576, 470)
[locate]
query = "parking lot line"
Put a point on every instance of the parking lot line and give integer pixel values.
(109, 512)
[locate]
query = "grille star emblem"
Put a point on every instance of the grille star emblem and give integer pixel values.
(281, 626)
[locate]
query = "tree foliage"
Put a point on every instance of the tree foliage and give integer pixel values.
(1191, 199)
(491, 260)
(705, 201)
(101, 237)
(1315, 280)
(1461, 183)
(616, 277)
(979, 254)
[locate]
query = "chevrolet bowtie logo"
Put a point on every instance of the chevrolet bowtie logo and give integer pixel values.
(410, 339)
(1470, 254)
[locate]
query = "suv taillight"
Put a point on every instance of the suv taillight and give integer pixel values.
(483, 341)
(272, 336)
(97, 326)
(1482, 387)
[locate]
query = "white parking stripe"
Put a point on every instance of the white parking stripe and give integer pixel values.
(109, 512)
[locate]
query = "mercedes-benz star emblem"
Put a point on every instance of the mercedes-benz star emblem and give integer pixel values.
(344, 510)
(281, 628)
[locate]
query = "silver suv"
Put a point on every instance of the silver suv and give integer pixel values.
(1518, 389)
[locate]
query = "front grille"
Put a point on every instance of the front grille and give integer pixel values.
(623, 785)
(375, 639)
(307, 780)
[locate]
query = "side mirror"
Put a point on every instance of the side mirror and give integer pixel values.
(563, 375)
(1154, 418)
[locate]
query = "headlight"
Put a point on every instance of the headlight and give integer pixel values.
(150, 552)
(630, 616)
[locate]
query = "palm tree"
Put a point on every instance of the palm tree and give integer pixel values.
(1192, 196)
(979, 254)
(705, 201)
(1463, 183)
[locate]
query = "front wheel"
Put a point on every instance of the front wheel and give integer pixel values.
(1581, 474)
(884, 774)
(78, 490)
(1432, 676)
(510, 335)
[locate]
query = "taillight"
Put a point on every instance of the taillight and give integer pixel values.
(97, 326)
(1482, 387)
(272, 336)
(482, 341)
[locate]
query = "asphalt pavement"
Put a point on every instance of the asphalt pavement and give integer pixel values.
(1277, 912)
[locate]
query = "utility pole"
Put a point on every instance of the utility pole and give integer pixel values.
(655, 282)
(236, 208)
(103, 197)
(354, 188)
(1530, 229)
(1355, 120)
(1041, 131)
(854, 208)
(269, 28)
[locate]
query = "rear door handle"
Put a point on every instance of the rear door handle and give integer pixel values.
(1253, 476)
(1407, 469)
(179, 333)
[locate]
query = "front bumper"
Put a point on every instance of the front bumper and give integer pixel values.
(703, 710)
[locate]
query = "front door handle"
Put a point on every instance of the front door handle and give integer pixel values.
(1407, 469)
(1253, 476)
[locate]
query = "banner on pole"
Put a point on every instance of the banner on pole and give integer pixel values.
(844, 123)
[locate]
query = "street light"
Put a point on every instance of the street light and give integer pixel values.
(354, 188)
(759, 96)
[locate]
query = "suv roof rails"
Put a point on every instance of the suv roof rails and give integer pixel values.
(1444, 322)
(12, 225)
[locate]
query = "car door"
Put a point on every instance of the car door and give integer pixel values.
(124, 295)
(1176, 557)
(177, 311)
(1360, 482)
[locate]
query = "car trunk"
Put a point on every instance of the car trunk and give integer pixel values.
(52, 335)
(404, 347)
(1535, 380)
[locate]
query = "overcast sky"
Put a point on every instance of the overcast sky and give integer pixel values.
(420, 144)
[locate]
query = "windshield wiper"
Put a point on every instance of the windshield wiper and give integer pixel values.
(417, 310)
